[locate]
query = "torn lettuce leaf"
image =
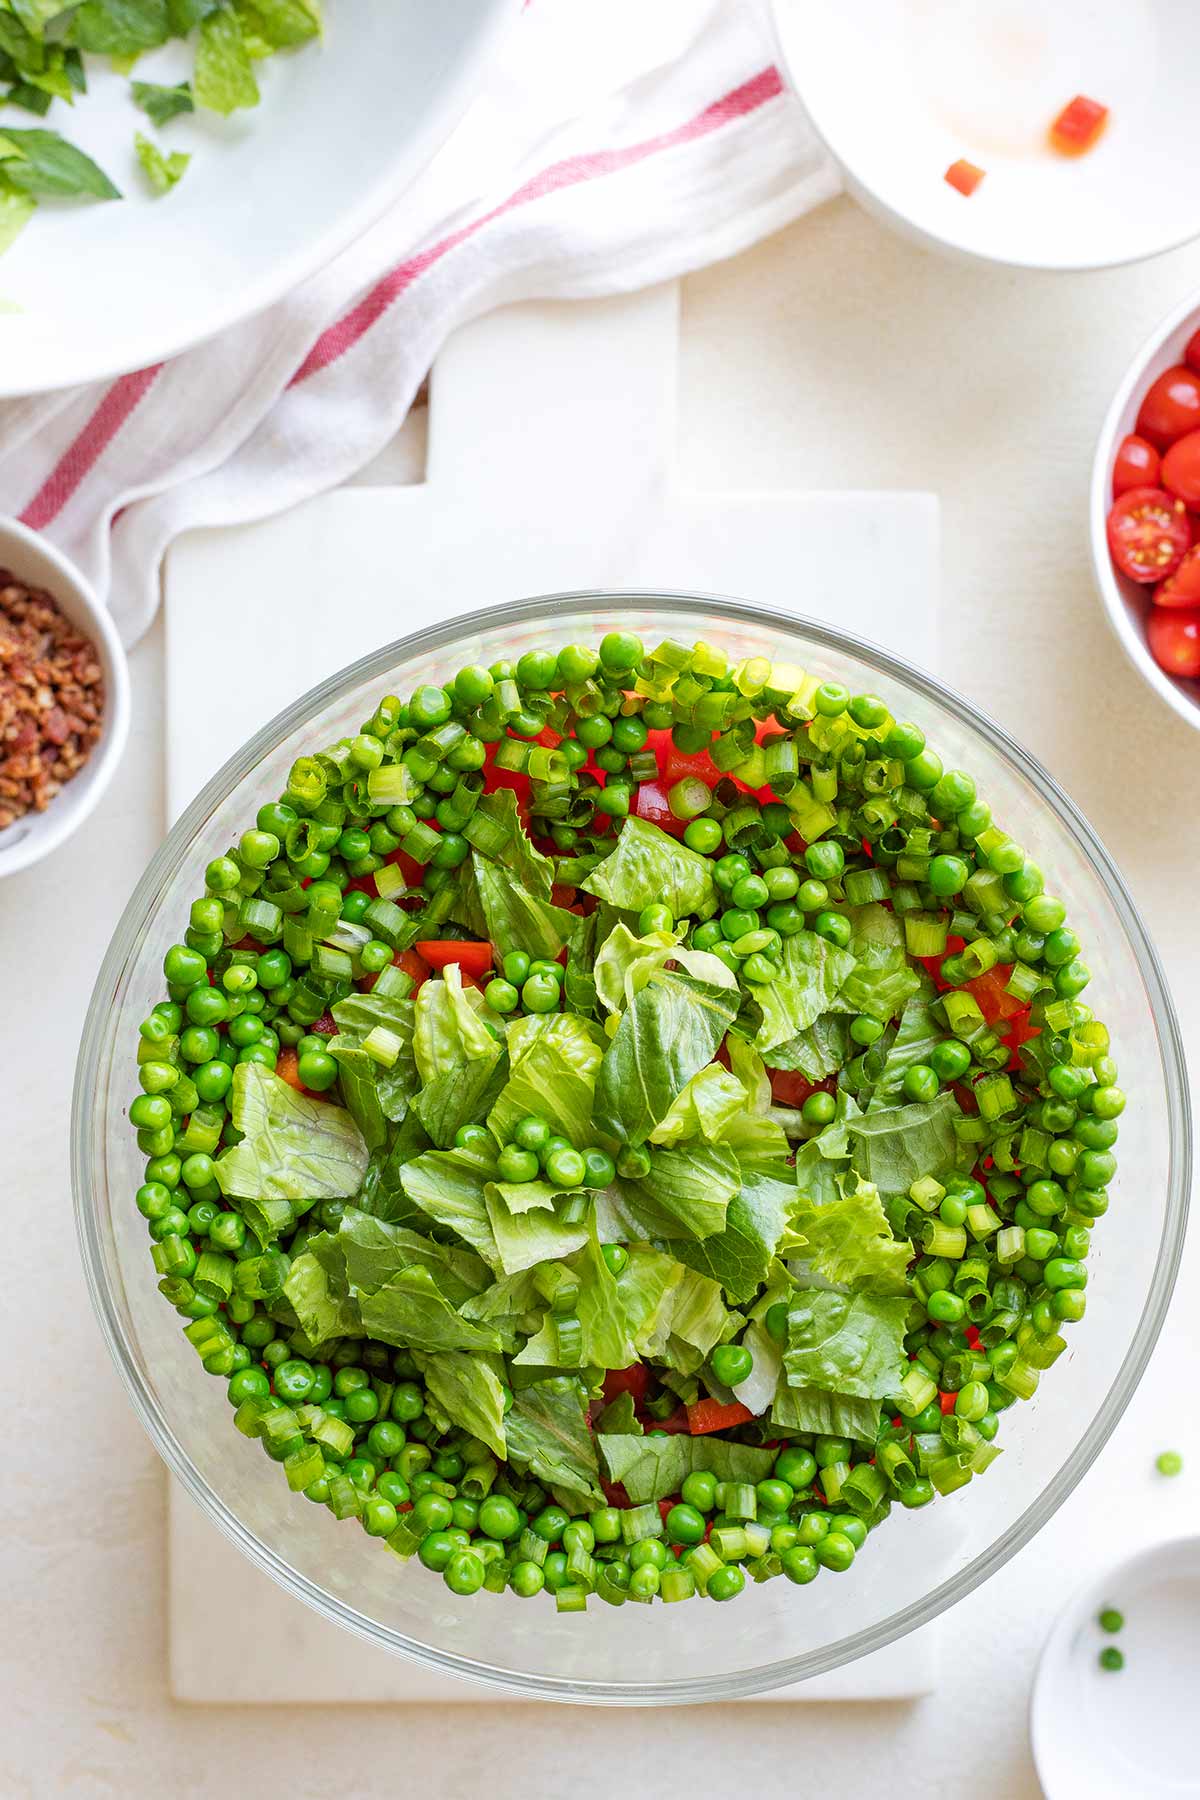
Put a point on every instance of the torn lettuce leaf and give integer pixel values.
(846, 1343)
(470, 1391)
(553, 1063)
(448, 1188)
(651, 1468)
(670, 1031)
(649, 866)
(818, 1051)
(897, 1145)
(882, 979)
(459, 1061)
(738, 1257)
(709, 1102)
(523, 1239)
(847, 1239)
(831, 1415)
(812, 973)
(293, 1147)
(914, 1039)
(687, 1189)
(547, 1433)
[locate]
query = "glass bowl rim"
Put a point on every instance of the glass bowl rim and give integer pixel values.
(165, 864)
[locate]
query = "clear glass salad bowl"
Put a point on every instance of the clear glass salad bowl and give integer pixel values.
(919, 1563)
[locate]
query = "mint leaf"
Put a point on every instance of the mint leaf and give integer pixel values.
(160, 104)
(162, 172)
(46, 164)
(649, 866)
(846, 1343)
(224, 78)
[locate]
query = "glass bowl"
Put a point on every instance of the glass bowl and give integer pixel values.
(921, 1562)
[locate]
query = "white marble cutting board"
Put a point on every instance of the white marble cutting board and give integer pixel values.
(550, 467)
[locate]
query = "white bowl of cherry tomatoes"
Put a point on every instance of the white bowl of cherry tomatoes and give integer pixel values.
(1145, 512)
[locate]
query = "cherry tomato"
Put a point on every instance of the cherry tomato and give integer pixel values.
(1171, 407)
(1191, 355)
(1181, 469)
(1078, 126)
(1148, 534)
(1175, 641)
(1137, 465)
(964, 176)
(1183, 587)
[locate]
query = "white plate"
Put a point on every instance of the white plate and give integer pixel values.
(1119, 1735)
(900, 89)
(272, 193)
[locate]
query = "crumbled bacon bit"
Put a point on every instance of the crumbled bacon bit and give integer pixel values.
(51, 699)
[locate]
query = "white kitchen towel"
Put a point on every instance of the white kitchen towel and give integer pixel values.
(617, 143)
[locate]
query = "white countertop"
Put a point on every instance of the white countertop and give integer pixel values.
(833, 355)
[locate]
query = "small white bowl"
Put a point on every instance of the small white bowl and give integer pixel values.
(1113, 1735)
(1127, 603)
(33, 560)
(900, 89)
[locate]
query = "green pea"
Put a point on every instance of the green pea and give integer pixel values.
(565, 1167)
(702, 835)
(731, 1363)
(516, 1165)
(501, 995)
(620, 651)
(920, 1083)
(540, 994)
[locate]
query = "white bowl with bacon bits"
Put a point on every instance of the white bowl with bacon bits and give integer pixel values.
(64, 698)
(1144, 519)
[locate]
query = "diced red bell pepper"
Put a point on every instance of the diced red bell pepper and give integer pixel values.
(326, 1026)
(563, 896)
(1078, 126)
(964, 176)
(288, 1069)
(472, 958)
(411, 870)
(676, 766)
(413, 965)
(714, 1415)
(994, 1002)
(790, 1088)
(652, 805)
(633, 1380)
(947, 1402)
